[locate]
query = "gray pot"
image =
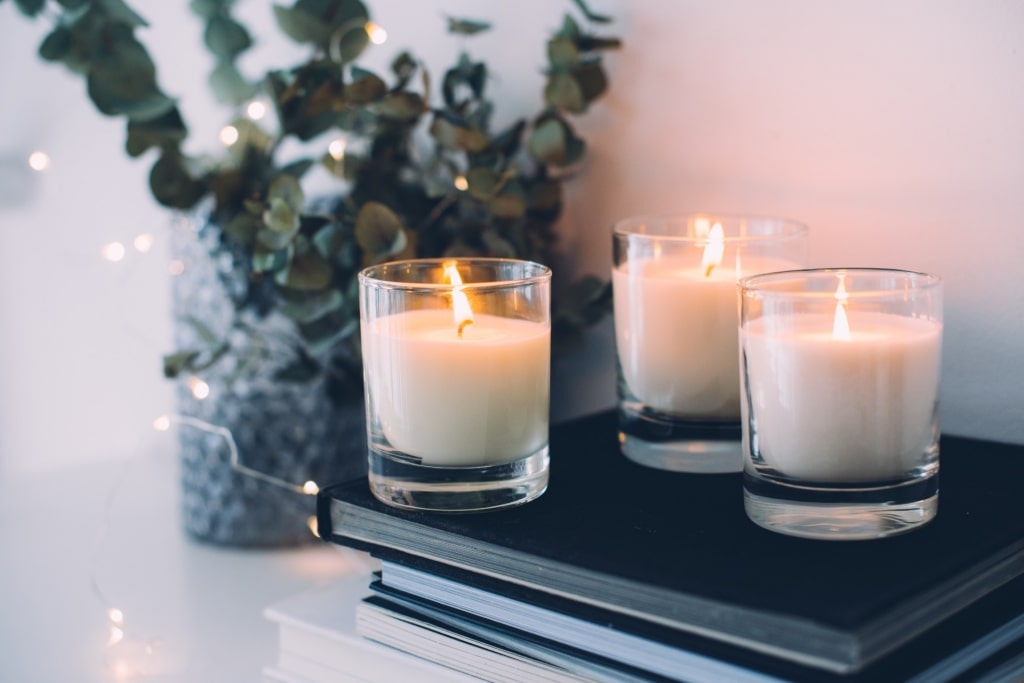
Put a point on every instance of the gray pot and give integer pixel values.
(286, 433)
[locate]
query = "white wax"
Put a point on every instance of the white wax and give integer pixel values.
(475, 400)
(835, 410)
(675, 332)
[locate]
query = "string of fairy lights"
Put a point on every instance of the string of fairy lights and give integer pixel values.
(116, 252)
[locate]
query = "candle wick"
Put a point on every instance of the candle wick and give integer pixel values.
(707, 273)
(462, 326)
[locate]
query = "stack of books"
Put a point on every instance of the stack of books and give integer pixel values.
(624, 573)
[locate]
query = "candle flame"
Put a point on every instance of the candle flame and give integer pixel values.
(714, 250)
(460, 304)
(840, 323)
(702, 226)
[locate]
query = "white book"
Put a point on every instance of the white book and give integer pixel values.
(318, 642)
(486, 660)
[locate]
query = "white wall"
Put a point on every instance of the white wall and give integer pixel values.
(893, 129)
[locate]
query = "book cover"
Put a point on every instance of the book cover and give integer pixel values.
(425, 637)
(975, 640)
(677, 550)
(318, 641)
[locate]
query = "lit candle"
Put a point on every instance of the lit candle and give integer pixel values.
(846, 396)
(457, 386)
(676, 328)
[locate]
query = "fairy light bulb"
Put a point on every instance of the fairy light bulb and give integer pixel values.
(143, 243)
(376, 33)
(228, 135)
(310, 488)
(461, 183)
(113, 252)
(198, 387)
(176, 267)
(337, 149)
(256, 110)
(162, 423)
(39, 161)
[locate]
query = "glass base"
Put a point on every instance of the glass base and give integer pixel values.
(667, 443)
(841, 514)
(405, 483)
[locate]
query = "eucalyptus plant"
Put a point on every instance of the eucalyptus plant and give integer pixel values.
(475, 192)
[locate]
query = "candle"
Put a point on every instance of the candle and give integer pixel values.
(456, 399)
(844, 398)
(676, 333)
(840, 371)
(456, 365)
(676, 315)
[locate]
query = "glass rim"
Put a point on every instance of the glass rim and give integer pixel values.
(755, 285)
(370, 275)
(792, 229)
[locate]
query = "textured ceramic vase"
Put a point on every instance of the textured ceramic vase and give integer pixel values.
(285, 433)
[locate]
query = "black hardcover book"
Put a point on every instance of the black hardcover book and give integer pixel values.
(970, 644)
(677, 550)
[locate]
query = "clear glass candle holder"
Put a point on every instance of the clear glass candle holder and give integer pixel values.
(456, 363)
(841, 390)
(674, 280)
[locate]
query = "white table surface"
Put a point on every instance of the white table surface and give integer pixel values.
(107, 535)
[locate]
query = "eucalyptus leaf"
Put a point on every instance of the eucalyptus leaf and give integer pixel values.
(570, 29)
(57, 45)
(207, 9)
(510, 202)
(562, 52)
(508, 141)
(564, 92)
(481, 182)
(72, 4)
(228, 84)
(166, 130)
(121, 13)
(30, 8)
(242, 228)
(307, 271)
(454, 136)
(368, 88)
(177, 363)
(123, 81)
(266, 260)
(287, 189)
(301, 26)
(225, 37)
(404, 67)
(548, 141)
(591, 78)
(467, 27)
(329, 240)
(335, 166)
(204, 331)
(377, 228)
(283, 221)
(592, 16)
(351, 44)
(304, 307)
(402, 106)
(171, 183)
(589, 43)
